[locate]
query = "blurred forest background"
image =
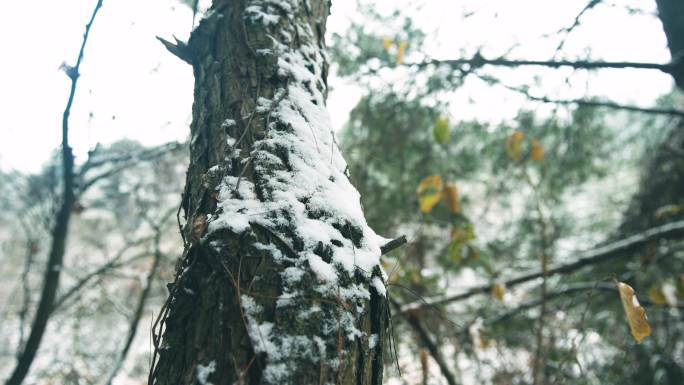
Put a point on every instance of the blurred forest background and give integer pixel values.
(530, 171)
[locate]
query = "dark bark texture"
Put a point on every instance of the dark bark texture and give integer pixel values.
(671, 14)
(232, 316)
(661, 186)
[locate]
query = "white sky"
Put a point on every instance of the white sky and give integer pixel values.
(132, 88)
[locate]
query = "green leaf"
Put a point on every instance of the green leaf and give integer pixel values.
(441, 131)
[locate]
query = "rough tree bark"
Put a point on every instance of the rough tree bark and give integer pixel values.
(280, 279)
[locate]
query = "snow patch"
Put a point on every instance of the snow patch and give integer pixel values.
(379, 286)
(203, 372)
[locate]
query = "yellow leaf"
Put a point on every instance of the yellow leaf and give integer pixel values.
(537, 153)
(518, 136)
(636, 315)
(429, 193)
(386, 44)
(667, 211)
(498, 291)
(452, 198)
(514, 146)
(424, 362)
(401, 50)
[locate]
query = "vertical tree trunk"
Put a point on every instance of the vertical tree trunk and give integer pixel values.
(662, 180)
(280, 280)
(60, 230)
(671, 14)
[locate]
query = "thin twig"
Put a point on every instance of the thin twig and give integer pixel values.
(567, 30)
(112, 264)
(598, 103)
(427, 341)
(135, 320)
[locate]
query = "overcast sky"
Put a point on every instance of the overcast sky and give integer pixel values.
(132, 88)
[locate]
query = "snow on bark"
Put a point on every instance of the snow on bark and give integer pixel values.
(300, 192)
(203, 372)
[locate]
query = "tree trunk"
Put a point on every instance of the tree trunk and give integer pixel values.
(280, 280)
(671, 14)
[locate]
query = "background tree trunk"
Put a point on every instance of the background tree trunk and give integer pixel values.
(671, 14)
(280, 279)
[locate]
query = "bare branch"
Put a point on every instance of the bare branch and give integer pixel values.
(427, 341)
(590, 5)
(567, 30)
(478, 61)
(95, 160)
(135, 320)
(60, 231)
(564, 292)
(600, 104)
(601, 254)
(122, 162)
(111, 264)
(584, 102)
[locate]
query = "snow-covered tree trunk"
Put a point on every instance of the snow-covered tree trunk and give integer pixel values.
(280, 281)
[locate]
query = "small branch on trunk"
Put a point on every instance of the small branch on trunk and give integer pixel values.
(393, 244)
(180, 49)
